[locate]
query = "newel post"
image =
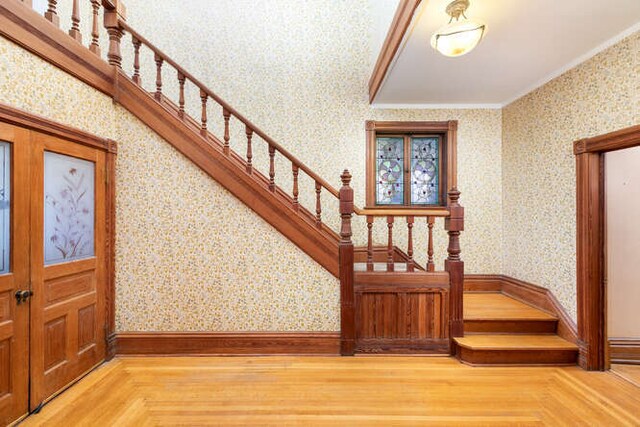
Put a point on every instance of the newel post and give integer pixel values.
(114, 12)
(347, 311)
(454, 224)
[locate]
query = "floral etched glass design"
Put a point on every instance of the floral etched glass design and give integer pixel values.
(68, 208)
(5, 206)
(389, 171)
(424, 170)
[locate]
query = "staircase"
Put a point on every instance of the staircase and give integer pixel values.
(388, 302)
(500, 330)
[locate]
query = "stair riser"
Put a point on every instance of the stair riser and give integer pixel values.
(511, 326)
(517, 357)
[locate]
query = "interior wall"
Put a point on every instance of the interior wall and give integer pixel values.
(539, 184)
(622, 204)
(299, 71)
(187, 256)
(192, 261)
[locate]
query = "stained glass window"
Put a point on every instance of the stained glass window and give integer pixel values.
(424, 170)
(390, 171)
(68, 208)
(5, 206)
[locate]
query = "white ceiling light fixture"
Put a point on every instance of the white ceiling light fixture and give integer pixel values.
(459, 37)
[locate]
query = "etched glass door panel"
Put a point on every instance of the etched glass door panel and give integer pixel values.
(5, 206)
(425, 158)
(390, 171)
(69, 202)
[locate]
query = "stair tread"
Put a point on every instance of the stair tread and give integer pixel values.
(515, 342)
(496, 306)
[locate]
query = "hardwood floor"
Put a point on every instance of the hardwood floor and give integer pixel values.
(629, 372)
(491, 305)
(338, 391)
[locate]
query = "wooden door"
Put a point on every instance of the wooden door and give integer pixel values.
(68, 263)
(14, 272)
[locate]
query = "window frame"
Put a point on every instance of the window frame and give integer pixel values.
(447, 133)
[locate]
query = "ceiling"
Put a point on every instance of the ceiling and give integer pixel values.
(527, 43)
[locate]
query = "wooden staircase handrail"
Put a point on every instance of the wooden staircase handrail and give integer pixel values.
(293, 159)
(434, 212)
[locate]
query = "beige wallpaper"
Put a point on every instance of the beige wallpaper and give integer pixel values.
(188, 253)
(299, 71)
(181, 250)
(599, 96)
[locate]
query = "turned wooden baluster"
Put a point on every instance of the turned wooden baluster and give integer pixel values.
(95, 33)
(226, 114)
(345, 256)
(430, 265)
(296, 204)
(51, 14)
(454, 224)
(249, 133)
(272, 168)
(159, 61)
(410, 243)
(203, 120)
(370, 219)
(318, 207)
(181, 80)
(75, 22)
(111, 22)
(136, 60)
(390, 266)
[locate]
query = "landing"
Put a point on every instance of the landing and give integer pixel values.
(489, 305)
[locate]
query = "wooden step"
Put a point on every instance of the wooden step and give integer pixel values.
(496, 313)
(516, 349)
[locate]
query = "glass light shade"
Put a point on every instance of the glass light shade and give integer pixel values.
(458, 38)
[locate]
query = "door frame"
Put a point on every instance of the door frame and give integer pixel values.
(21, 118)
(590, 241)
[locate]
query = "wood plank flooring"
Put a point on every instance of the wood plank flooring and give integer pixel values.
(490, 305)
(629, 372)
(342, 391)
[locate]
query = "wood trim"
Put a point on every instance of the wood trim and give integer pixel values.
(408, 211)
(624, 350)
(533, 295)
(399, 26)
(591, 287)
(525, 357)
(24, 119)
(409, 281)
(27, 28)
(618, 140)
(110, 253)
(447, 130)
(226, 343)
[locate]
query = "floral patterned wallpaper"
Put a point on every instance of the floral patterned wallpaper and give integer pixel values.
(599, 96)
(184, 265)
